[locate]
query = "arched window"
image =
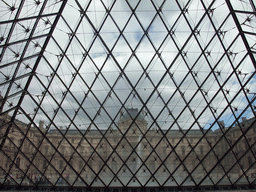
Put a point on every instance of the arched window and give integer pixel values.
(114, 165)
(201, 150)
(81, 151)
(133, 165)
(18, 162)
(246, 145)
(81, 164)
(71, 164)
(152, 165)
(61, 164)
(124, 151)
(164, 150)
(46, 149)
(44, 164)
(100, 163)
(62, 150)
(183, 150)
(249, 160)
(10, 143)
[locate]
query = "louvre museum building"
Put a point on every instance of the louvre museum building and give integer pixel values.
(128, 95)
(130, 153)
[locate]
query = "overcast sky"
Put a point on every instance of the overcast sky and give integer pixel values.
(89, 55)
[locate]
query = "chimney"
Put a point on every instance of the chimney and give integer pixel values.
(1, 102)
(41, 124)
(221, 125)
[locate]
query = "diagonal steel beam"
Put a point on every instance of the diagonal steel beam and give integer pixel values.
(241, 32)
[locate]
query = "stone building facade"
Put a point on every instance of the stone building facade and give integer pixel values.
(115, 155)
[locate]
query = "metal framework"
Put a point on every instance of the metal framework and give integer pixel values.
(82, 67)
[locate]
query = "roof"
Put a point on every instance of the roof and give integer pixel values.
(132, 113)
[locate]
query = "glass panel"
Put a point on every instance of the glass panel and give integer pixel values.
(122, 94)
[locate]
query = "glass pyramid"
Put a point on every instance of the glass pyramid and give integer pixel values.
(127, 94)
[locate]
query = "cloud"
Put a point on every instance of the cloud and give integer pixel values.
(178, 74)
